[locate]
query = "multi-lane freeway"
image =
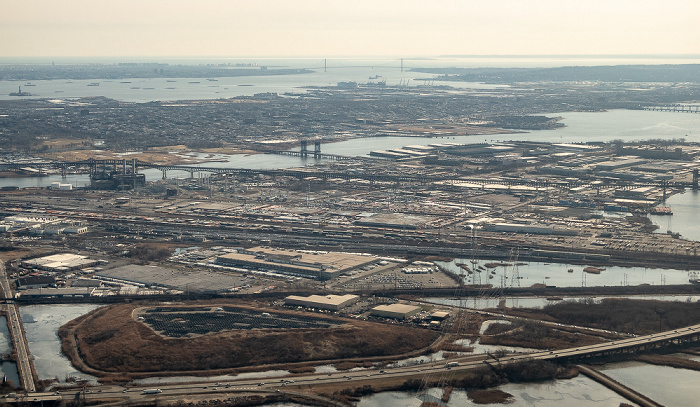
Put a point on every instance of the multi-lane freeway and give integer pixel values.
(368, 376)
(19, 341)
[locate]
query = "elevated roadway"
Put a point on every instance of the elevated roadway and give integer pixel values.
(19, 341)
(306, 383)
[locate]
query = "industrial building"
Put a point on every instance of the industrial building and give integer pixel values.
(58, 292)
(60, 262)
(329, 302)
(34, 282)
(439, 315)
(320, 265)
(395, 311)
(393, 220)
(519, 228)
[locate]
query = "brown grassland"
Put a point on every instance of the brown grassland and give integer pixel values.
(535, 335)
(109, 341)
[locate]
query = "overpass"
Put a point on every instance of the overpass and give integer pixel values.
(302, 382)
(19, 341)
(627, 346)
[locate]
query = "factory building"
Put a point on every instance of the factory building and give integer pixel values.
(34, 282)
(60, 262)
(319, 265)
(58, 292)
(395, 311)
(439, 315)
(330, 302)
(519, 228)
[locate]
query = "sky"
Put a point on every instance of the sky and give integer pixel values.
(330, 28)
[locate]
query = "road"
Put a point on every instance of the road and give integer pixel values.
(19, 341)
(289, 384)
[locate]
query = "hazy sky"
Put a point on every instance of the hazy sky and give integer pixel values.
(328, 28)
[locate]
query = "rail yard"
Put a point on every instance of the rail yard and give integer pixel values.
(342, 274)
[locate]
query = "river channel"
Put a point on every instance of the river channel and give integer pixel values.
(520, 274)
(579, 392)
(41, 323)
(9, 369)
(493, 301)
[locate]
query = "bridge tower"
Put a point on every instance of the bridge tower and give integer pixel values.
(317, 149)
(93, 167)
(304, 149)
(696, 176)
(133, 172)
(664, 185)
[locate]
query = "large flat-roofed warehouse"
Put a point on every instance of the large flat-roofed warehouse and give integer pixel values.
(396, 311)
(320, 265)
(58, 292)
(60, 262)
(331, 302)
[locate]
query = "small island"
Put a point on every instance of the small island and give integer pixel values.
(20, 93)
(127, 341)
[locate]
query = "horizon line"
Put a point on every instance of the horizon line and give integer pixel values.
(695, 55)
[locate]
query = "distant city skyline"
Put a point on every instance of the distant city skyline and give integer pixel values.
(323, 28)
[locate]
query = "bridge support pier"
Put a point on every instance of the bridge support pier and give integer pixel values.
(665, 193)
(165, 173)
(317, 149)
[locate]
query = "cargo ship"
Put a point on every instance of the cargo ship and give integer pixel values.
(661, 210)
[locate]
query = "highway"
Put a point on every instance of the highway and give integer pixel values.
(19, 341)
(367, 376)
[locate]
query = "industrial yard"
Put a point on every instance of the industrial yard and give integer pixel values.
(370, 267)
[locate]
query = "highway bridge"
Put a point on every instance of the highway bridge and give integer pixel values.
(679, 108)
(19, 341)
(132, 166)
(274, 383)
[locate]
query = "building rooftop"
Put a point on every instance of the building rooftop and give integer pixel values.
(335, 300)
(60, 262)
(397, 308)
(304, 261)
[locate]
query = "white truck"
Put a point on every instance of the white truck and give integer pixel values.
(152, 391)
